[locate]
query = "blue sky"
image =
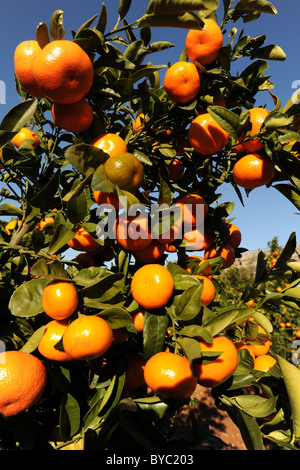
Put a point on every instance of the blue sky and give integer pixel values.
(266, 212)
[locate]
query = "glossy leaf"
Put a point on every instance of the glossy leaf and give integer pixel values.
(26, 300)
(291, 377)
(155, 327)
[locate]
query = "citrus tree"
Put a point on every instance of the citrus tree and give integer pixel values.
(127, 328)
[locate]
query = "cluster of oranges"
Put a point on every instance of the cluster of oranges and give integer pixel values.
(61, 71)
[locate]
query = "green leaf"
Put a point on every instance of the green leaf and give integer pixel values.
(191, 348)
(275, 120)
(261, 6)
(15, 119)
(101, 182)
(10, 209)
(116, 317)
(26, 300)
(124, 7)
(77, 207)
(189, 303)
(291, 377)
(85, 158)
(69, 419)
(154, 332)
(261, 266)
(217, 324)
(48, 191)
(256, 406)
(271, 52)
(33, 341)
(164, 7)
(61, 236)
(227, 120)
(42, 35)
(49, 270)
(57, 30)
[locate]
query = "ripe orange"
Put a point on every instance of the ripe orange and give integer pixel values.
(63, 71)
(257, 117)
(73, 117)
(104, 198)
(24, 56)
(23, 380)
(253, 170)
(264, 362)
(200, 260)
(133, 233)
(53, 333)
(86, 259)
(220, 369)
(208, 289)
(262, 346)
(125, 170)
(250, 302)
(83, 241)
(87, 337)
(182, 82)
(203, 44)
(297, 334)
(59, 299)
(197, 240)
(12, 225)
(176, 170)
(226, 252)
(134, 377)
(170, 375)
(206, 135)
(194, 209)
(25, 134)
(150, 253)
(138, 319)
(152, 286)
(110, 143)
(235, 237)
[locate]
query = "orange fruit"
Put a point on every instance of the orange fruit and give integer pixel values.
(182, 82)
(150, 253)
(257, 117)
(87, 337)
(197, 240)
(152, 286)
(133, 233)
(59, 299)
(170, 375)
(86, 259)
(250, 302)
(261, 347)
(206, 135)
(208, 289)
(200, 260)
(297, 334)
(73, 117)
(171, 248)
(176, 170)
(83, 241)
(24, 56)
(54, 331)
(279, 289)
(226, 252)
(167, 228)
(203, 45)
(104, 198)
(23, 380)
(63, 71)
(125, 170)
(235, 237)
(12, 225)
(48, 220)
(264, 362)
(194, 209)
(25, 134)
(138, 319)
(214, 373)
(253, 170)
(134, 376)
(110, 143)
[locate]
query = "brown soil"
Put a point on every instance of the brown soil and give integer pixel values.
(219, 431)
